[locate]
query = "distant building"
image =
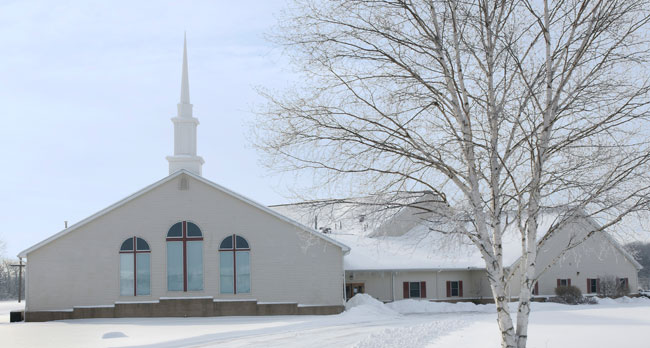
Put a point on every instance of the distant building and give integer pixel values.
(397, 252)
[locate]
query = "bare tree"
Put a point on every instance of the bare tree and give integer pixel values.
(611, 286)
(499, 107)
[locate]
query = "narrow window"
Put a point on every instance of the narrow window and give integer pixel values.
(135, 267)
(184, 257)
(455, 289)
(592, 285)
(234, 265)
(414, 291)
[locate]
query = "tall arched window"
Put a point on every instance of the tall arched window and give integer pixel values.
(184, 257)
(234, 265)
(135, 262)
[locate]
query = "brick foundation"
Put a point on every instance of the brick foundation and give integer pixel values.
(190, 307)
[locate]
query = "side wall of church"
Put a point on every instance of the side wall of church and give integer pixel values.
(81, 268)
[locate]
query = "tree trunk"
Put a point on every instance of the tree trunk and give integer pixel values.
(503, 317)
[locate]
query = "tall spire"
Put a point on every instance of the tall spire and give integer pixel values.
(184, 106)
(185, 128)
(185, 83)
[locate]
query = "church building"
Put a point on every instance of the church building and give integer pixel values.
(184, 246)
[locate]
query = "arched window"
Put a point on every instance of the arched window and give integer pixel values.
(135, 261)
(234, 265)
(184, 257)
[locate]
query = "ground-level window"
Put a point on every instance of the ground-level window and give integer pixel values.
(455, 288)
(593, 285)
(135, 263)
(564, 282)
(536, 289)
(623, 283)
(184, 257)
(415, 289)
(234, 265)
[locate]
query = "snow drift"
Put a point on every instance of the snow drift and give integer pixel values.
(364, 303)
(418, 306)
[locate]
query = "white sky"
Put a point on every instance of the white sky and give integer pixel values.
(87, 90)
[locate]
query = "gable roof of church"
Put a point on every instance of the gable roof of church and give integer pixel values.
(168, 178)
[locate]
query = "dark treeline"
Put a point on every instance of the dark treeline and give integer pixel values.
(9, 280)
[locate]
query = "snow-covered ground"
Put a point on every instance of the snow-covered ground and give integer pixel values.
(365, 323)
(8, 306)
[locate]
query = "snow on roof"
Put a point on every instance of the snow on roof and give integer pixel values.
(412, 251)
(421, 249)
(381, 237)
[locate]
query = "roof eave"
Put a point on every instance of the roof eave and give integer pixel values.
(24, 253)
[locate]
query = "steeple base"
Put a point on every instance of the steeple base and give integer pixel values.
(192, 164)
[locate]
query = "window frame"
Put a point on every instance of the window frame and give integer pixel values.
(234, 249)
(135, 253)
(451, 288)
(593, 286)
(419, 289)
(184, 238)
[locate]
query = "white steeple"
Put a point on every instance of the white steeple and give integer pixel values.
(185, 129)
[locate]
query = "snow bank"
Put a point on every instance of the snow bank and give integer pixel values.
(418, 306)
(605, 301)
(8, 306)
(624, 299)
(366, 305)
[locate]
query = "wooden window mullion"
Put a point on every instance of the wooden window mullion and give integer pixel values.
(135, 268)
(184, 256)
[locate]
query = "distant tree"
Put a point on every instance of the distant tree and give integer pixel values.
(8, 276)
(641, 252)
(496, 106)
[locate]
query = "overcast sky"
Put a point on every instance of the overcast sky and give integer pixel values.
(87, 90)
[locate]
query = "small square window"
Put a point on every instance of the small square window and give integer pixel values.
(564, 282)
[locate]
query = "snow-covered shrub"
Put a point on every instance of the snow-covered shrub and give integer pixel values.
(569, 295)
(590, 300)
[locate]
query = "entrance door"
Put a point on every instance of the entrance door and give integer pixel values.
(352, 289)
